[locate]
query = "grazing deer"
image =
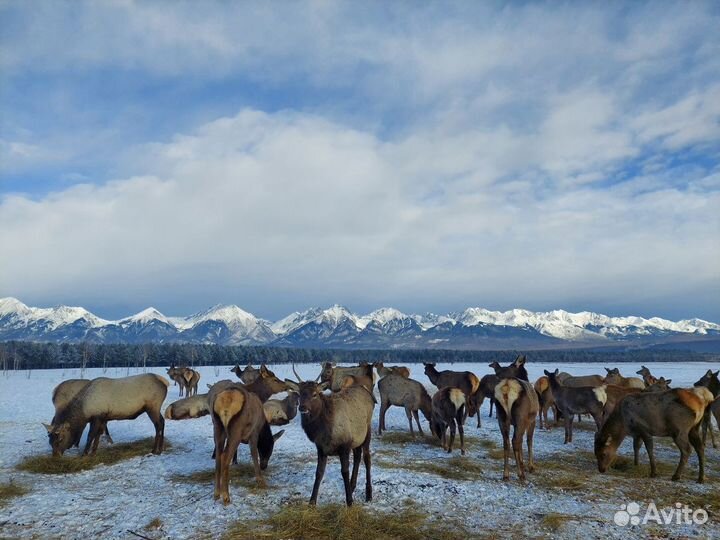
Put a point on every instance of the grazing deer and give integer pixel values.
(648, 377)
(335, 376)
(338, 424)
(615, 394)
(580, 400)
(64, 393)
(382, 371)
(546, 400)
(464, 380)
(673, 413)
(279, 412)
(449, 410)
(614, 377)
(247, 375)
(238, 416)
(105, 399)
(517, 406)
(711, 382)
(400, 391)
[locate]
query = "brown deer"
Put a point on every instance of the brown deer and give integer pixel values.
(64, 393)
(648, 377)
(614, 377)
(580, 400)
(176, 374)
(449, 411)
(464, 380)
(335, 376)
(400, 391)
(191, 378)
(338, 424)
(238, 417)
(486, 389)
(383, 371)
(546, 400)
(186, 408)
(673, 413)
(581, 380)
(248, 374)
(614, 395)
(516, 370)
(266, 384)
(659, 385)
(518, 406)
(279, 412)
(105, 399)
(711, 382)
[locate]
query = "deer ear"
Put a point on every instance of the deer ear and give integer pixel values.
(279, 434)
(668, 381)
(717, 372)
(546, 372)
(606, 369)
(520, 360)
(48, 427)
(557, 371)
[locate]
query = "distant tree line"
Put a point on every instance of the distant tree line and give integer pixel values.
(23, 355)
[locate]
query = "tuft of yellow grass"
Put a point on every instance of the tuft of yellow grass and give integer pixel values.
(47, 464)
(10, 490)
(300, 521)
(241, 474)
(453, 468)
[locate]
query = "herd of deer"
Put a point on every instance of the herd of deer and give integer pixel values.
(339, 422)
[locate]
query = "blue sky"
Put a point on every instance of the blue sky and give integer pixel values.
(428, 157)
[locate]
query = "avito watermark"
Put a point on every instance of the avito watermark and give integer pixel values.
(680, 514)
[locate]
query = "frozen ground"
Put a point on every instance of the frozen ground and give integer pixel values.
(108, 501)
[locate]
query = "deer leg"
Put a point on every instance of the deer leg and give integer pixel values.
(219, 435)
(492, 402)
(459, 420)
(107, 434)
(357, 455)
(383, 409)
(637, 443)
(699, 447)
(452, 435)
(517, 451)
(368, 475)
(530, 435)
(225, 457)
(417, 421)
(92, 434)
(649, 447)
(345, 471)
(256, 461)
(568, 427)
(682, 442)
(159, 423)
(319, 473)
(408, 413)
(505, 428)
(480, 400)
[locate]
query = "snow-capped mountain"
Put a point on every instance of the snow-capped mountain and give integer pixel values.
(338, 327)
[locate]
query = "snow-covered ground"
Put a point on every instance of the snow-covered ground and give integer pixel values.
(108, 501)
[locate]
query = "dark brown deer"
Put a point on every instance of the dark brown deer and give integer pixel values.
(581, 380)
(383, 371)
(64, 393)
(581, 400)
(266, 384)
(107, 399)
(659, 385)
(407, 393)
(648, 377)
(338, 424)
(613, 377)
(516, 370)
(518, 407)
(674, 413)
(711, 382)
(464, 380)
(238, 417)
(615, 394)
(449, 411)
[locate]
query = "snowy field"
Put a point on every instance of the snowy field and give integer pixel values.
(108, 501)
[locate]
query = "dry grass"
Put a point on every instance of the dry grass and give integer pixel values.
(11, 490)
(299, 521)
(241, 474)
(47, 464)
(453, 468)
(554, 521)
(154, 524)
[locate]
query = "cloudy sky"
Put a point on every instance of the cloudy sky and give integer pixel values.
(425, 156)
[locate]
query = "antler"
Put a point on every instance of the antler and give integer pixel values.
(296, 374)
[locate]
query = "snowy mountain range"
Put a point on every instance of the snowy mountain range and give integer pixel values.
(337, 327)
